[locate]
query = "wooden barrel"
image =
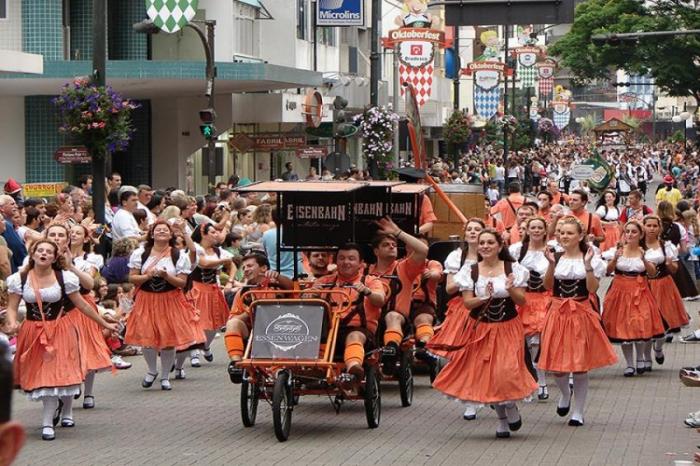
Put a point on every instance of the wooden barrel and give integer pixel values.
(468, 198)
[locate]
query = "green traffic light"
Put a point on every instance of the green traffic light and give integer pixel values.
(207, 130)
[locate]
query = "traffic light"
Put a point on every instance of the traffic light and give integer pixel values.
(207, 128)
(342, 127)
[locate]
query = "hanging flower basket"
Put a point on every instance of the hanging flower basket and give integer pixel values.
(376, 127)
(457, 129)
(507, 123)
(98, 117)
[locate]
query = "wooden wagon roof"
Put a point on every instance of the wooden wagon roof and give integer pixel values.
(613, 125)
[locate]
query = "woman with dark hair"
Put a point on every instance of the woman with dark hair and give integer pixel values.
(664, 256)
(162, 318)
(157, 203)
(572, 339)
(630, 312)
(490, 368)
(93, 348)
(530, 254)
(610, 218)
(673, 232)
(48, 364)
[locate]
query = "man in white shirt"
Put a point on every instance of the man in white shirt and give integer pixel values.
(124, 224)
(145, 194)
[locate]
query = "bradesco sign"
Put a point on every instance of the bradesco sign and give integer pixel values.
(340, 13)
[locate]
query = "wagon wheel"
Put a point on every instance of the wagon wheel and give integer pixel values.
(250, 395)
(282, 403)
(373, 397)
(405, 377)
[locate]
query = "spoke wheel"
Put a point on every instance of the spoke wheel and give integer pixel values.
(405, 376)
(250, 396)
(373, 398)
(282, 402)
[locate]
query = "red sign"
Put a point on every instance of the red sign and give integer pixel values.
(312, 152)
(72, 155)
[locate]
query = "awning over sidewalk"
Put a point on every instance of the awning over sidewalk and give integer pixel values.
(149, 79)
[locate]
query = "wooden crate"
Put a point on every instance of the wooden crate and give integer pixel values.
(469, 199)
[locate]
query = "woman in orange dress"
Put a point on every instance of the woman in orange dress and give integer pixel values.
(48, 362)
(572, 339)
(609, 216)
(530, 254)
(630, 312)
(664, 256)
(450, 333)
(162, 318)
(491, 367)
(85, 265)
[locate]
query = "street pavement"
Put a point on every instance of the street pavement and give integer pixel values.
(629, 421)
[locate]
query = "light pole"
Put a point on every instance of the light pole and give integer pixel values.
(99, 60)
(208, 130)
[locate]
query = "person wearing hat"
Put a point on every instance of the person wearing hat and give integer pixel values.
(14, 189)
(670, 193)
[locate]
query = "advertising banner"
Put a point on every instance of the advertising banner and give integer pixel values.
(340, 13)
(312, 220)
(287, 331)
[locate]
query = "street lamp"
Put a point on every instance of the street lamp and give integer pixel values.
(208, 130)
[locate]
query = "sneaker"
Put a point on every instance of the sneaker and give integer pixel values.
(179, 374)
(692, 422)
(692, 338)
(195, 362)
(119, 363)
(235, 373)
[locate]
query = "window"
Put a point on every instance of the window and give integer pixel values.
(3, 9)
(301, 19)
(327, 36)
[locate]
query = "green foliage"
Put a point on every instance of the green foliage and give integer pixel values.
(673, 62)
(457, 128)
(678, 136)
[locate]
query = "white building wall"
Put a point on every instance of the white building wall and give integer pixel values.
(12, 156)
(11, 28)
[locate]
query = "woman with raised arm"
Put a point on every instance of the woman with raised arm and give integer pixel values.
(530, 254)
(162, 318)
(490, 368)
(572, 339)
(630, 312)
(48, 364)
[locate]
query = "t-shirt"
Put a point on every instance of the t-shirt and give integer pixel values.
(430, 285)
(124, 225)
(427, 214)
(507, 208)
(269, 242)
(672, 196)
(407, 270)
(596, 227)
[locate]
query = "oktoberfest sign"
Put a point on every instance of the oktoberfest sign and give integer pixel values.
(527, 58)
(561, 114)
(545, 76)
(416, 48)
(487, 90)
(171, 15)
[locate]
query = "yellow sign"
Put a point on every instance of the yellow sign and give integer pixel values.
(42, 189)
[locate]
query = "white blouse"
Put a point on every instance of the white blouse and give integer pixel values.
(202, 253)
(552, 243)
(452, 262)
(166, 263)
(534, 261)
(48, 295)
(625, 264)
(574, 269)
(465, 282)
(93, 262)
(656, 256)
(612, 215)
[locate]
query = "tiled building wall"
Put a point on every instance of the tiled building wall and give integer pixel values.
(41, 140)
(42, 28)
(11, 28)
(81, 29)
(124, 42)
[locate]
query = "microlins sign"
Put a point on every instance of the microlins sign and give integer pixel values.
(340, 13)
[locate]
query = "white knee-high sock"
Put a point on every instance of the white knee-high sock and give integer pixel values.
(639, 349)
(67, 407)
(580, 394)
(628, 352)
(151, 357)
(89, 383)
(563, 384)
(180, 359)
(50, 405)
(167, 357)
(210, 334)
(659, 344)
(502, 418)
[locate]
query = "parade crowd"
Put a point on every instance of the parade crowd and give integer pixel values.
(524, 303)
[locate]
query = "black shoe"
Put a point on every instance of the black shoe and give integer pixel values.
(629, 372)
(543, 393)
(88, 402)
(669, 338)
(642, 369)
(235, 373)
(67, 422)
(502, 434)
(575, 422)
(208, 355)
(80, 392)
(563, 411)
(148, 384)
(390, 353)
(659, 356)
(422, 354)
(57, 413)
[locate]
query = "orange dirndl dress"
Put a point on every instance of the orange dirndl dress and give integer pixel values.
(630, 312)
(48, 360)
(209, 300)
(534, 311)
(612, 236)
(93, 347)
(664, 289)
(572, 338)
(451, 333)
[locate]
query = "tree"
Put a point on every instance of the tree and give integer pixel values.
(673, 61)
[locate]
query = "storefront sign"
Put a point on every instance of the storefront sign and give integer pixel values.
(340, 13)
(312, 152)
(72, 155)
(316, 219)
(288, 331)
(36, 190)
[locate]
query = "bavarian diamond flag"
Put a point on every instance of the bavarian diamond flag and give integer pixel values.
(171, 15)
